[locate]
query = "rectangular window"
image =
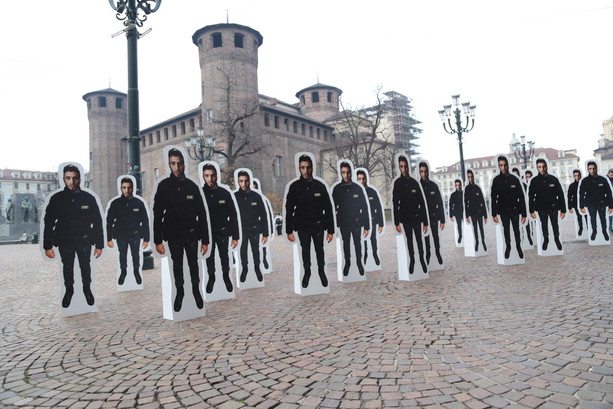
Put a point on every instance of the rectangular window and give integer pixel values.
(303, 129)
(329, 97)
(318, 133)
(182, 128)
(157, 136)
(295, 127)
(315, 97)
(266, 120)
(27, 186)
(192, 125)
(102, 102)
(286, 125)
(118, 103)
(209, 115)
(216, 40)
(276, 122)
(325, 135)
(165, 134)
(238, 40)
(310, 131)
(278, 166)
(150, 139)
(174, 131)
(156, 172)
(143, 141)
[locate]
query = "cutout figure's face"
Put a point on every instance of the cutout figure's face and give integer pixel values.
(346, 174)
(542, 169)
(592, 169)
(610, 174)
(458, 186)
(210, 177)
(306, 169)
(503, 166)
(177, 166)
(72, 180)
(471, 178)
(577, 176)
(528, 175)
(243, 182)
(362, 179)
(423, 173)
(404, 168)
(127, 190)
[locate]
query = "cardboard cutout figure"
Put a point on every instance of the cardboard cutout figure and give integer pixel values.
(546, 199)
(309, 218)
(580, 219)
(372, 261)
(225, 233)
(254, 230)
(353, 222)
(527, 229)
(127, 224)
(476, 216)
(180, 228)
(596, 198)
(508, 204)
(456, 212)
(411, 221)
(436, 215)
(266, 252)
(73, 225)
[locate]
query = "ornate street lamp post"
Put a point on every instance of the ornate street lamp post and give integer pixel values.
(133, 13)
(199, 148)
(520, 151)
(446, 115)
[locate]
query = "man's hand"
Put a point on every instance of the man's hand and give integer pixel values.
(291, 237)
(380, 229)
(203, 249)
(468, 220)
(571, 210)
(329, 237)
(452, 219)
(610, 210)
(50, 253)
(234, 243)
(110, 243)
(160, 248)
(485, 220)
(399, 229)
(425, 229)
(145, 244)
(583, 210)
(442, 226)
(533, 215)
(495, 219)
(523, 220)
(264, 240)
(365, 233)
(97, 253)
(562, 215)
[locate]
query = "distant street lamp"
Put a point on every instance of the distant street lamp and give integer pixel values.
(446, 115)
(133, 13)
(199, 148)
(520, 151)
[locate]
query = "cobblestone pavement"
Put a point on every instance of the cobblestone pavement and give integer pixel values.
(475, 335)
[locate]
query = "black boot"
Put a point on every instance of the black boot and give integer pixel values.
(210, 283)
(197, 296)
(258, 274)
(179, 299)
(323, 278)
(89, 297)
(411, 265)
(360, 268)
(227, 281)
(519, 252)
(507, 251)
(137, 277)
(346, 267)
(545, 244)
(243, 276)
(558, 243)
(305, 278)
(376, 257)
(67, 297)
(439, 258)
(122, 278)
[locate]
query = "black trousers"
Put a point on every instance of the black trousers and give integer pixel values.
(409, 231)
(252, 239)
(83, 252)
(600, 210)
(580, 216)
(513, 219)
(122, 246)
(347, 233)
(219, 243)
(190, 247)
(551, 215)
(316, 235)
(434, 234)
(477, 221)
(373, 240)
(458, 222)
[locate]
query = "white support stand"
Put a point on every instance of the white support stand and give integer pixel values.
(78, 304)
(552, 249)
(599, 240)
(251, 280)
(129, 283)
(403, 260)
(315, 287)
(188, 310)
(354, 275)
(220, 291)
(500, 248)
(469, 241)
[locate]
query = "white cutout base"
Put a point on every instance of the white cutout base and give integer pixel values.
(552, 249)
(251, 281)
(403, 260)
(354, 275)
(599, 240)
(370, 261)
(78, 305)
(314, 287)
(219, 288)
(188, 310)
(500, 248)
(469, 241)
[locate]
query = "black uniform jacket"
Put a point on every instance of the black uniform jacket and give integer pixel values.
(72, 217)
(127, 219)
(254, 215)
(179, 212)
(434, 200)
(545, 193)
(376, 209)
(308, 205)
(595, 191)
(351, 206)
(456, 204)
(408, 202)
(222, 211)
(572, 197)
(508, 195)
(474, 202)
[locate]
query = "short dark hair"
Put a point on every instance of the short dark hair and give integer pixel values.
(457, 181)
(423, 164)
(126, 180)
(529, 172)
(539, 160)
(504, 158)
(360, 172)
(305, 158)
(175, 152)
(345, 165)
(72, 168)
(577, 171)
(403, 158)
(243, 173)
(592, 163)
(209, 166)
(469, 171)
(255, 184)
(515, 170)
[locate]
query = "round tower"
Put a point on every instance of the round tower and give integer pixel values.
(228, 55)
(108, 127)
(319, 101)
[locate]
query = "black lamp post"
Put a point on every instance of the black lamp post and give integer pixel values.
(521, 152)
(133, 13)
(446, 115)
(199, 148)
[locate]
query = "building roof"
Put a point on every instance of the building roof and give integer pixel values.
(319, 86)
(104, 91)
(8, 174)
(214, 27)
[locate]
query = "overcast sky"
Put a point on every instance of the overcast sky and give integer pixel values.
(536, 68)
